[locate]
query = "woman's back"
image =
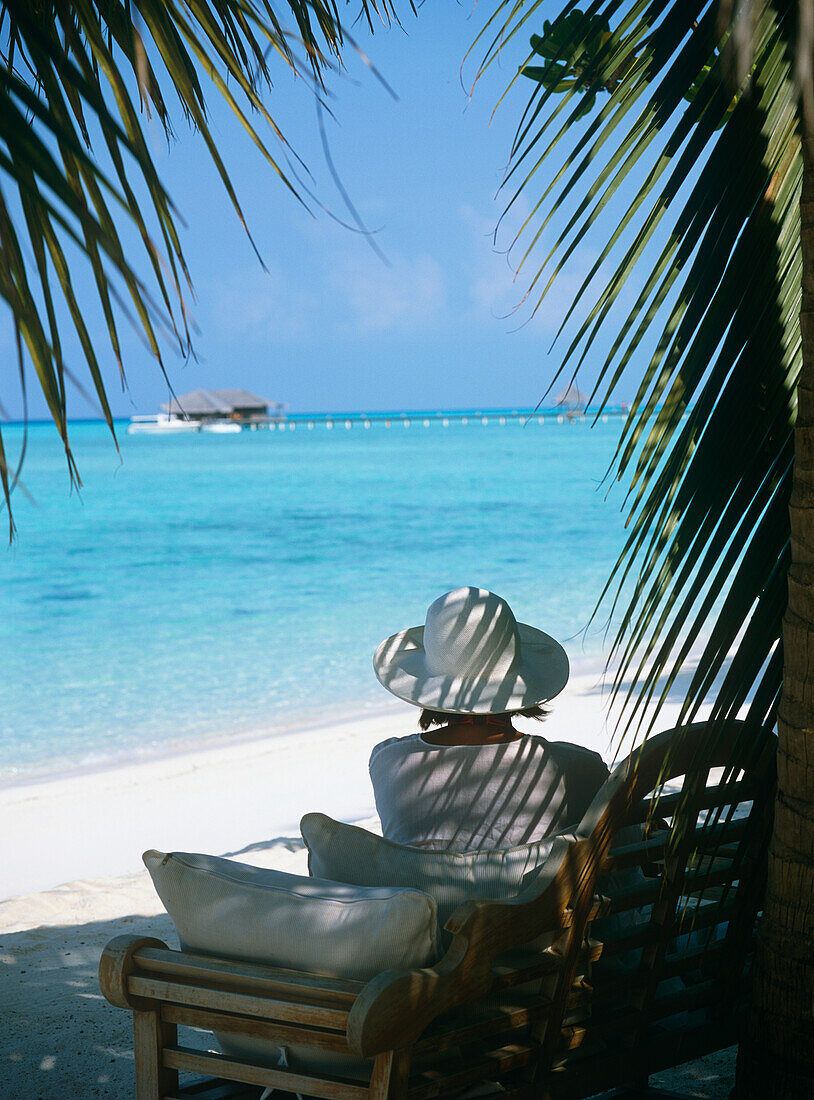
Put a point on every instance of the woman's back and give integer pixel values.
(464, 797)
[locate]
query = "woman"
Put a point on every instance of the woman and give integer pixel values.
(470, 779)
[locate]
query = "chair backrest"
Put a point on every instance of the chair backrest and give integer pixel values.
(676, 845)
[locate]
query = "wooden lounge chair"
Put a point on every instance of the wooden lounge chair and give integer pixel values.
(561, 1023)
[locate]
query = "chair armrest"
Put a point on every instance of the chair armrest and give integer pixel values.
(116, 965)
(395, 1007)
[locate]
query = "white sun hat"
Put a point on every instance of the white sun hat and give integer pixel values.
(472, 657)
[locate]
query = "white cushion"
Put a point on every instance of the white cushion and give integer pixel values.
(259, 915)
(350, 854)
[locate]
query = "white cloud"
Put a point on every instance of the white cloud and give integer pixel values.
(409, 295)
(248, 301)
(349, 290)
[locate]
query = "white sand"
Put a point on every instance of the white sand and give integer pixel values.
(71, 874)
(219, 800)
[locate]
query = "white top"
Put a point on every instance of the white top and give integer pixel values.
(464, 797)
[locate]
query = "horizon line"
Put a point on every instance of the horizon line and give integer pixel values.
(481, 410)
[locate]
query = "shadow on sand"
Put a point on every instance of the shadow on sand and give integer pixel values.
(61, 1039)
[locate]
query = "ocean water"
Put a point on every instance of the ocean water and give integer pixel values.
(208, 586)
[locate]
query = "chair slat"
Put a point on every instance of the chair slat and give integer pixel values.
(611, 987)
(285, 1034)
(242, 976)
(646, 935)
(473, 1024)
(504, 976)
(608, 1020)
(625, 856)
(654, 849)
(625, 900)
(710, 837)
(684, 962)
(483, 1066)
(207, 1087)
(720, 794)
(693, 919)
(642, 936)
(325, 1086)
(700, 882)
(599, 1030)
(239, 1003)
(533, 1091)
(716, 860)
(700, 879)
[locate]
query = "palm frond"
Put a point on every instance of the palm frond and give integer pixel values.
(76, 82)
(708, 176)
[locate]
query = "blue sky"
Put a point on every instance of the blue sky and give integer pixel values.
(329, 326)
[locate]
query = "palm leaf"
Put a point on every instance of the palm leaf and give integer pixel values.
(68, 72)
(707, 448)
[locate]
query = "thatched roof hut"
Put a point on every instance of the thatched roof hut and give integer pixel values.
(223, 404)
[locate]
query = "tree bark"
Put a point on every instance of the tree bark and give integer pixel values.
(776, 1058)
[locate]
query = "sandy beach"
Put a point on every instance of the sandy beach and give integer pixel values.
(72, 877)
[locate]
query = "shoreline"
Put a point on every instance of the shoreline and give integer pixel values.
(93, 823)
(320, 717)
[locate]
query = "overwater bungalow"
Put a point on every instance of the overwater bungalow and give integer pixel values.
(238, 406)
(211, 411)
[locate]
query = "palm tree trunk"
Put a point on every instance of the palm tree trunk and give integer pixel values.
(776, 1058)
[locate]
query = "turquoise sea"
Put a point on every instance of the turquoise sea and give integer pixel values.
(208, 586)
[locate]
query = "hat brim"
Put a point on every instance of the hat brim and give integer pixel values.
(540, 673)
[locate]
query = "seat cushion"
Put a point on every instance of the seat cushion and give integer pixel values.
(252, 914)
(347, 853)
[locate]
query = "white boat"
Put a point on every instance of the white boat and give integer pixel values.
(222, 427)
(161, 424)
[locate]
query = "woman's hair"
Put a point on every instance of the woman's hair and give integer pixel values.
(429, 718)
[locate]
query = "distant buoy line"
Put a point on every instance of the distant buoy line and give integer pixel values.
(481, 418)
(170, 424)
